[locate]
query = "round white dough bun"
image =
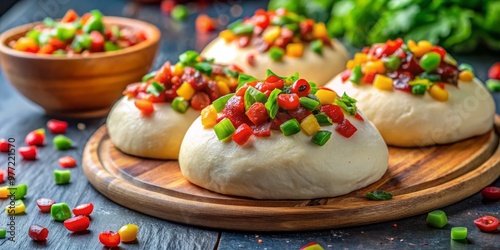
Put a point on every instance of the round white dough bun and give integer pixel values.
(284, 167)
(408, 120)
(157, 136)
(311, 66)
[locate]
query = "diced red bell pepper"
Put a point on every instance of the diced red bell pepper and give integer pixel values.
(369, 77)
(440, 51)
(271, 83)
(141, 35)
(346, 129)
(84, 209)
(109, 238)
(200, 100)
(44, 204)
(28, 153)
(46, 49)
(167, 6)
(261, 20)
(334, 112)
(57, 126)
(241, 91)
(257, 113)
(97, 41)
(4, 145)
(2, 175)
(205, 24)
(242, 134)
(235, 111)
(306, 26)
(494, 71)
(85, 18)
(263, 130)
(345, 75)
(300, 113)
(70, 16)
(77, 224)
(251, 60)
(145, 106)
(163, 75)
(359, 117)
(35, 138)
(67, 162)
(288, 101)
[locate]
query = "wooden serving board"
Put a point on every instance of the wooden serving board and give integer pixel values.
(421, 179)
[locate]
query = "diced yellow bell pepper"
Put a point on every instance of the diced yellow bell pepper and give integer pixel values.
(227, 35)
(360, 58)
(421, 48)
(208, 116)
(271, 34)
(185, 91)
(350, 64)
(223, 88)
(438, 93)
(326, 96)
(295, 49)
(320, 31)
(18, 208)
(310, 125)
(233, 82)
(382, 82)
(4, 192)
(466, 76)
(375, 67)
(26, 44)
(178, 69)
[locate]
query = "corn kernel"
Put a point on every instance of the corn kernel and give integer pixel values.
(208, 116)
(185, 91)
(375, 67)
(326, 96)
(350, 64)
(319, 30)
(310, 125)
(223, 88)
(18, 208)
(382, 82)
(270, 34)
(227, 35)
(360, 58)
(128, 233)
(295, 49)
(466, 76)
(438, 93)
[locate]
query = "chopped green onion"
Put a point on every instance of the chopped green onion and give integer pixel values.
(418, 89)
(155, 89)
(271, 73)
(272, 103)
(276, 53)
(220, 103)
(392, 63)
(314, 97)
(115, 30)
(81, 42)
(97, 14)
(465, 66)
(110, 46)
(253, 95)
(49, 22)
(291, 79)
(234, 24)
(62, 142)
(204, 68)
(230, 73)
(323, 119)
(437, 218)
(317, 46)
(188, 57)
(60, 211)
(33, 34)
(62, 177)
(347, 103)
(356, 74)
(180, 105)
(430, 77)
(44, 37)
(458, 233)
(19, 191)
(281, 20)
(314, 89)
(430, 61)
(292, 26)
(493, 85)
(224, 129)
(379, 195)
(65, 32)
(290, 127)
(179, 12)
(243, 28)
(148, 76)
(244, 78)
(308, 103)
(3, 233)
(321, 137)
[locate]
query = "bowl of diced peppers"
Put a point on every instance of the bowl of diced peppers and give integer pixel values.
(77, 66)
(416, 68)
(289, 105)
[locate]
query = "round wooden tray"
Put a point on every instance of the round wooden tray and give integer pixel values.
(421, 179)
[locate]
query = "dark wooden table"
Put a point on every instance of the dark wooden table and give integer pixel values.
(18, 116)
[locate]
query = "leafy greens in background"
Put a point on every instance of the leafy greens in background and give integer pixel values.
(457, 25)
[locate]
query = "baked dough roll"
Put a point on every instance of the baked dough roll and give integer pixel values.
(283, 42)
(153, 116)
(295, 142)
(416, 95)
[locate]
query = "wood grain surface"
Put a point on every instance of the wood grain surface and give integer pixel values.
(421, 179)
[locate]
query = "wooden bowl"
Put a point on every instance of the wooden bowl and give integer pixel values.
(78, 86)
